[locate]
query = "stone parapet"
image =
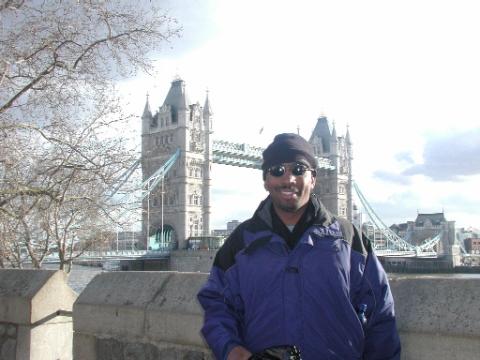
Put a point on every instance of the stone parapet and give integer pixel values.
(35, 315)
(154, 314)
(438, 317)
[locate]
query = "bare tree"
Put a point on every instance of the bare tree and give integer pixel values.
(60, 148)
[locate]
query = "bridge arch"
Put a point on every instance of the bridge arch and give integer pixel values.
(165, 241)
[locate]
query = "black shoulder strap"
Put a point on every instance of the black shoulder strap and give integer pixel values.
(358, 241)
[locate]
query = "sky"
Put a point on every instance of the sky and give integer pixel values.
(404, 76)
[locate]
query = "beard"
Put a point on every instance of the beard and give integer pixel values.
(292, 202)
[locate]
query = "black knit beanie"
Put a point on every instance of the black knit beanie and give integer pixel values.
(287, 148)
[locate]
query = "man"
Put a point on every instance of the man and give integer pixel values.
(296, 275)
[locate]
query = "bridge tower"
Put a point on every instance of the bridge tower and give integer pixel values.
(180, 205)
(334, 186)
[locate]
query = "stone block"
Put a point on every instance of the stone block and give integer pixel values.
(192, 260)
(84, 347)
(109, 349)
(174, 315)
(157, 306)
(27, 296)
(437, 304)
(117, 350)
(115, 303)
(114, 320)
(141, 307)
(52, 340)
(421, 346)
(30, 301)
(8, 350)
(11, 331)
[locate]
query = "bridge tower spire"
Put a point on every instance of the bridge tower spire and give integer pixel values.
(146, 116)
(207, 166)
(181, 210)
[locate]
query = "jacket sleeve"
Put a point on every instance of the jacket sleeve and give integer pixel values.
(381, 336)
(222, 304)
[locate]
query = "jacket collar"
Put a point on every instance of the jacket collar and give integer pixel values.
(320, 214)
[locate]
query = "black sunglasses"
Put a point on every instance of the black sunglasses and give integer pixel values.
(296, 169)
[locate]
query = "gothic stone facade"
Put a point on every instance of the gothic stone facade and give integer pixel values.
(186, 202)
(334, 186)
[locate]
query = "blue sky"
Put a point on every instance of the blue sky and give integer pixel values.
(404, 76)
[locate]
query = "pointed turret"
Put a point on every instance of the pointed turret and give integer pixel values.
(147, 113)
(322, 131)
(177, 97)
(347, 136)
(147, 118)
(207, 109)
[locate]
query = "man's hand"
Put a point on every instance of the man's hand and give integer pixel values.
(239, 353)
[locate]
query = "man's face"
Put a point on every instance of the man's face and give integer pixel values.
(289, 192)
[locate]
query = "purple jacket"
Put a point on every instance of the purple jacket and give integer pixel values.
(329, 295)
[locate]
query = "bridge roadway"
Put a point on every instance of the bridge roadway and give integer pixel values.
(409, 253)
(248, 156)
(113, 255)
(162, 254)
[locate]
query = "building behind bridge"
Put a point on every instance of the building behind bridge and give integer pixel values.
(427, 226)
(179, 207)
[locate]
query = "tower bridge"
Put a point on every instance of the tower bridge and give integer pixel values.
(180, 204)
(177, 156)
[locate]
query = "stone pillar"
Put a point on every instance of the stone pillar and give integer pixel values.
(35, 315)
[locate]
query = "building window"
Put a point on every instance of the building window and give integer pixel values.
(196, 199)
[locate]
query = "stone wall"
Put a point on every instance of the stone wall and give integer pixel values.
(192, 261)
(35, 315)
(155, 315)
(152, 315)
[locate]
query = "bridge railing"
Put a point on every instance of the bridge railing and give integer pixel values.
(205, 242)
(124, 253)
